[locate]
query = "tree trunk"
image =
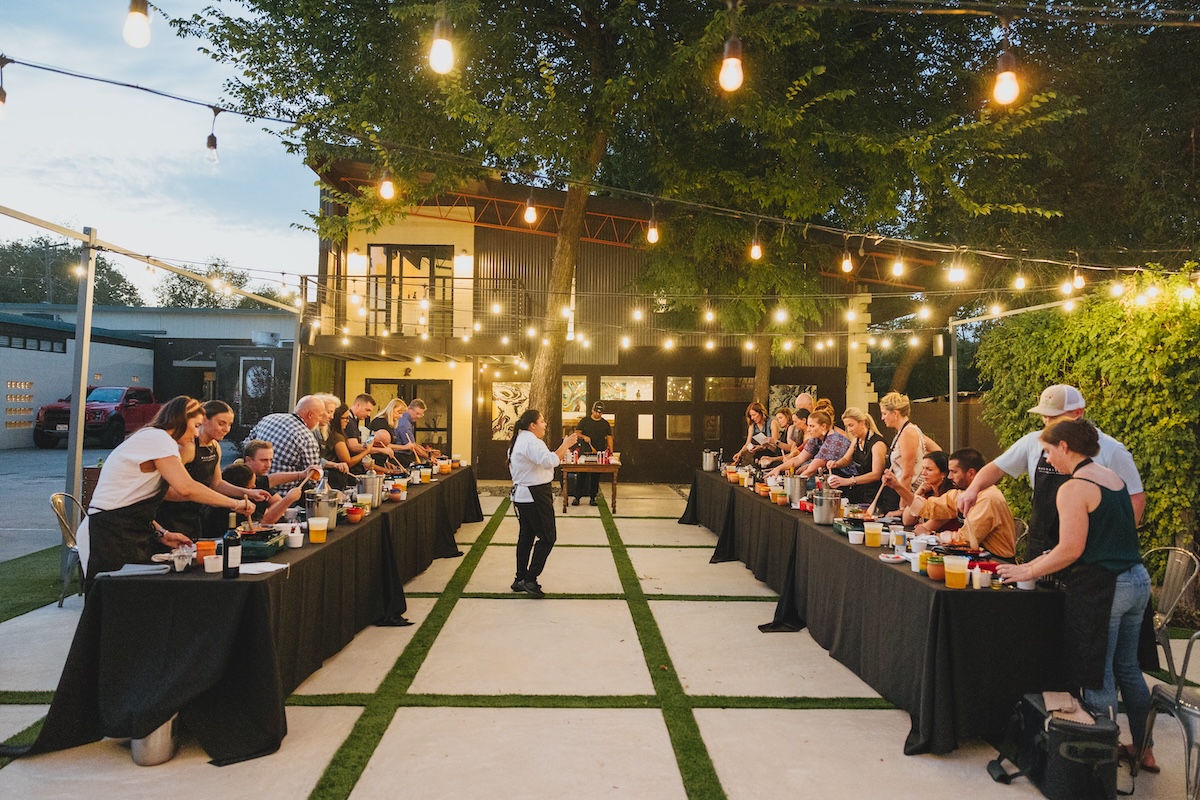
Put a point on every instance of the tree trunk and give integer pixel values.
(545, 389)
(762, 370)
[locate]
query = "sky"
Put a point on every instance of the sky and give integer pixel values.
(79, 153)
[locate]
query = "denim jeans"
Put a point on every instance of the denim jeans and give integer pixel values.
(1121, 667)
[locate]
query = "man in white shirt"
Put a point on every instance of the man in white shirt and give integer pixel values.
(1026, 457)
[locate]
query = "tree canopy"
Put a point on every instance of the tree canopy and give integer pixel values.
(177, 291)
(26, 266)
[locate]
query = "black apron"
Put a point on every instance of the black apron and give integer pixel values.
(122, 536)
(1043, 517)
(185, 516)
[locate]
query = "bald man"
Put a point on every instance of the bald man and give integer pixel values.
(291, 437)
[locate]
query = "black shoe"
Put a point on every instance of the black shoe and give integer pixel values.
(591, 501)
(534, 590)
(574, 501)
(518, 586)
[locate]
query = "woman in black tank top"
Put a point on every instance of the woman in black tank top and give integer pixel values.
(1107, 587)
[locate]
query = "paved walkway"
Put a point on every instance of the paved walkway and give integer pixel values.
(641, 675)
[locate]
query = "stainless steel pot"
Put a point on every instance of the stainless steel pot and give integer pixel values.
(371, 485)
(710, 461)
(795, 489)
(827, 503)
(322, 504)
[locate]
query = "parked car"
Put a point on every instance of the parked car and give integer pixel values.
(110, 414)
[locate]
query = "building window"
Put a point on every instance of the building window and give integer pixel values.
(640, 387)
(20, 385)
(729, 390)
(407, 290)
(17, 342)
(679, 390)
(712, 428)
(679, 427)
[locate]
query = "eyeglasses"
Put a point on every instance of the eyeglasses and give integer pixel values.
(345, 417)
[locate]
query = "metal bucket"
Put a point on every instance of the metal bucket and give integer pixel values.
(371, 485)
(795, 489)
(710, 461)
(157, 748)
(318, 504)
(827, 503)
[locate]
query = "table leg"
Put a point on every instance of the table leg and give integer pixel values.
(614, 491)
(565, 481)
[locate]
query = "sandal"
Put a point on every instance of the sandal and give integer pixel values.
(1127, 753)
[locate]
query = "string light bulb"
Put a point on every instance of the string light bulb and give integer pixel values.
(787, 344)
(1077, 281)
(749, 344)
(669, 343)
(1069, 306)
(1007, 89)
(996, 310)
(731, 76)
(1152, 291)
(1116, 288)
(1067, 287)
(495, 308)
(820, 345)
(530, 211)
(1019, 282)
(956, 274)
(211, 144)
(851, 315)
(637, 315)
(652, 227)
(504, 339)
(898, 266)
(709, 345)
(914, 341)
(708, 315)
(387, 188)
(847, 262)
(781, 314)
(625, 342)
(755, 246)
(136, 31)
(441, 53)
(923, 312)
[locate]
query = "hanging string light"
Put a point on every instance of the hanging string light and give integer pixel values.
(1007, 89)
(755, 246)
(708, 315)
(956, 273)
(730, 78)
(441, 53)
(3, 94)
(136, 31)
(1019, 282)
(211, 144)
(387, 188)
(847, 261)
(530, 210)
(1077, 281)
(652, 227)
(637, 315)
(898, 265)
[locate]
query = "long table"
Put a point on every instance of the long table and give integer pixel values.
(225, 654)
(611, 468)
(955, 660)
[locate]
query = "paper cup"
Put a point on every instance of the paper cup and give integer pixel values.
(855, 537)
(1027, 585)
(295, 540)
(212, 563)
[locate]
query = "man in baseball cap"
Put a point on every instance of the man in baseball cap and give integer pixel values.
(595, 433)
(1026, 457)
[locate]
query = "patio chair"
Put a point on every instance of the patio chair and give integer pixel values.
(70, 514)
(1181, 570)
(1176, 698)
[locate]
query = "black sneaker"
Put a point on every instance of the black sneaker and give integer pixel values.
(518, 586)
(534, 590)
(575, 501)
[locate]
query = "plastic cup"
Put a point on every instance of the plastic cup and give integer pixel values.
(874, 533)
(212, 563)
(318, 527)
(1027, 585)
(956, 572)
(855, 537)
(295, 540)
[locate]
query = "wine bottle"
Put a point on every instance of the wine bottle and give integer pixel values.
(231, 549)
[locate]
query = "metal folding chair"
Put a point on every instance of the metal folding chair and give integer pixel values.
(69, 513)
(1176, 698)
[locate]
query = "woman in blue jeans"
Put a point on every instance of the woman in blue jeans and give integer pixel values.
(1107, 587)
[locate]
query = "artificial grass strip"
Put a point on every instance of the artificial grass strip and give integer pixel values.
(794, 703)
(529, 701)
(30, 582)
(27, 736)
(691, 754)
(713, 598)
(352, 757)
(26, 698)
(343, 699)
(553, 595)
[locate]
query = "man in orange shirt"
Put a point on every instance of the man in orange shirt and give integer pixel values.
(989, 524)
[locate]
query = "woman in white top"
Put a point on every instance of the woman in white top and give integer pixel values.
(531, 464)
(908, 447)
(119, 528)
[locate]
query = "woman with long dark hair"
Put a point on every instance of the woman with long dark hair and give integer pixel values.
(337, 448)
(531, 464)
(119, 528)
(191, 518)
(1107, 586)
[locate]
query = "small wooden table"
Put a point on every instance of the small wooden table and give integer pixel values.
(609, 469)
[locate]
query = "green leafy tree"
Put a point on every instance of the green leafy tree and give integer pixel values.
(207, 290)
(1133, 362)
(42, 270)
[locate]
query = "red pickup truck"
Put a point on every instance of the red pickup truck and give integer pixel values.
(110, 413)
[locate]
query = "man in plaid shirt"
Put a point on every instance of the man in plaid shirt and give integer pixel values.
(291, 436)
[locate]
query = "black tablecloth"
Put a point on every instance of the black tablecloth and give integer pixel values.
(226, 654)
(956, 660)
